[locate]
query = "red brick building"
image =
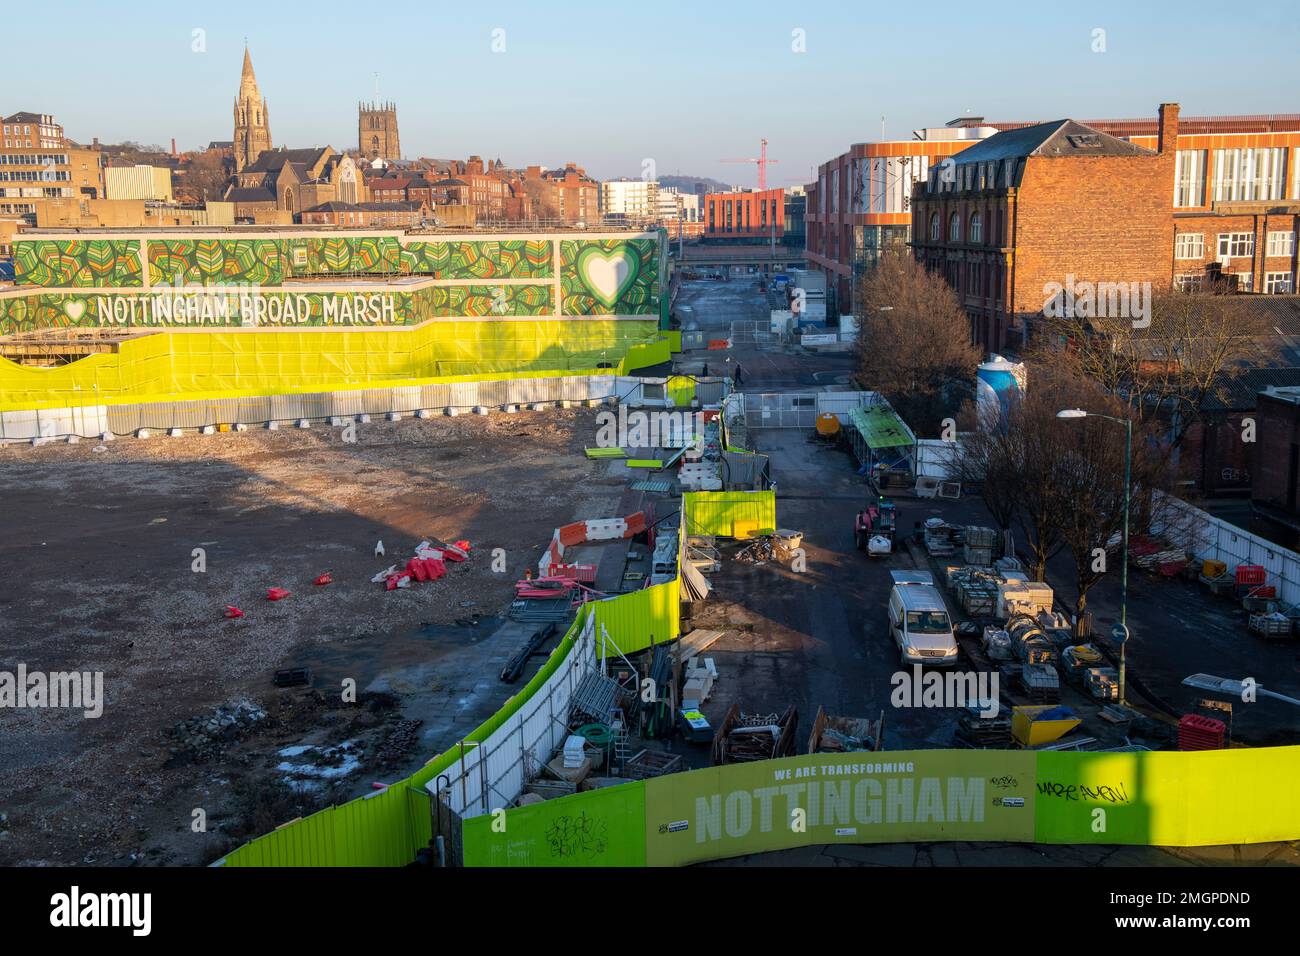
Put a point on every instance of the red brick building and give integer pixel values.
(1057, 203)
(567, 194)
(366, 214)
(745, 215)
(414, 189)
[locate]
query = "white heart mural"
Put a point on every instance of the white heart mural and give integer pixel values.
(74, 308)
(607, 274)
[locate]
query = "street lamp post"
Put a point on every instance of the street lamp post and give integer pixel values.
(1234, 688)
(1122, 631)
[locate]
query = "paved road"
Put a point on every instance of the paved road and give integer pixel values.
(817, 638)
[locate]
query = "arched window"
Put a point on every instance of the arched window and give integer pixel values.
(954, 228)
(976, 233)
(934, 227)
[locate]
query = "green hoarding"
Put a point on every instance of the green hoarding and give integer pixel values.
(604, 827)
(820, 799)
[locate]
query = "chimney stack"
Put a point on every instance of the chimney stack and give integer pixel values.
(1168, 136)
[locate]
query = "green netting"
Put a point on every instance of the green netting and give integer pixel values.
(880, 427)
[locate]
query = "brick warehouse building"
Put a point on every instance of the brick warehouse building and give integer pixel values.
(1040, 204)
(1043, 204)
(745, 215)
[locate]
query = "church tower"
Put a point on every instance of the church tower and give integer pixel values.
(252, 125)
(377, 131)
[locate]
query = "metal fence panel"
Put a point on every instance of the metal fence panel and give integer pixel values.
(780, 409)
(491, 773)
(349, 404)
(493, 394)
(435, 396)
(378, 401)
(318, 406)
(752, 333)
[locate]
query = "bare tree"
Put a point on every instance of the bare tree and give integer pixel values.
(1092, 469)
(203, 178)
(1167, 370)
(914, 342)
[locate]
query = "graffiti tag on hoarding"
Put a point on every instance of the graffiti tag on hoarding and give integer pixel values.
(1107, 794)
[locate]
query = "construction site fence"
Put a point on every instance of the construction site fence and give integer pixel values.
(1207, 537)
(802, 409)
(120, 420)
(245, 362)
(1153, 798)
(461, 394)
(490, 773)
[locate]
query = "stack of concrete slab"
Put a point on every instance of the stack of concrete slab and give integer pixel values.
(1023, 597)
(700, 674)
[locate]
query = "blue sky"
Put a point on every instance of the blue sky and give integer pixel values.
(609, 85)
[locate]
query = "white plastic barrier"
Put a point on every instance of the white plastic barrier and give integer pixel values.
(1208, 537)
(492, 773)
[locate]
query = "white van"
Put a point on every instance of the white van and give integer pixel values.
(919, 622)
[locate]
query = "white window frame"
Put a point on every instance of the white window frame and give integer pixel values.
(1189, 245)
(1280, 244)
(1242, 242)
(1279, 283)
(1189, 178)
(1244, 174)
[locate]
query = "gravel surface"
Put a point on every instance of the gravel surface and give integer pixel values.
(99, 549)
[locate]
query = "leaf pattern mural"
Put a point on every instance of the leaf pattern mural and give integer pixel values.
(79, 263)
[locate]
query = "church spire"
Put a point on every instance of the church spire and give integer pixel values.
(248, 80)
(252, 125)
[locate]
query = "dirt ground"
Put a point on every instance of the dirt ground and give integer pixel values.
(100, 575)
